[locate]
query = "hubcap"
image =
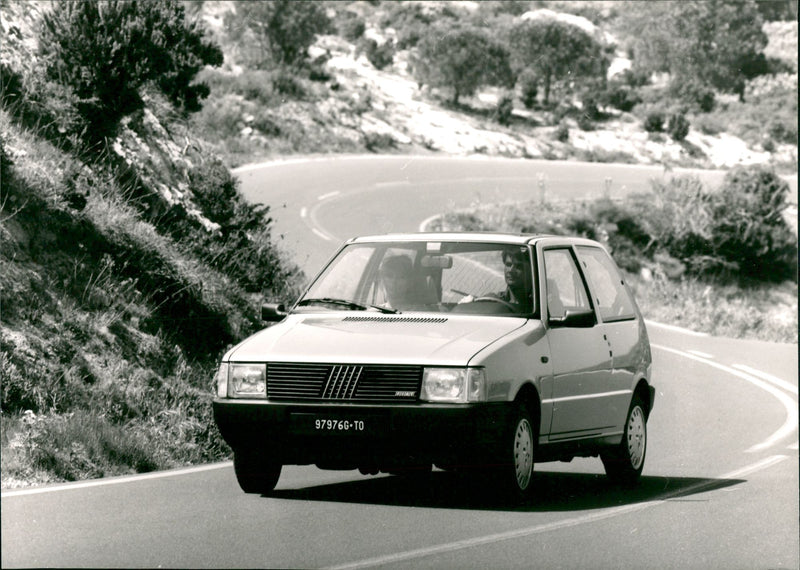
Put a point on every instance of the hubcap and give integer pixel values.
(523, 453)
(637, 437)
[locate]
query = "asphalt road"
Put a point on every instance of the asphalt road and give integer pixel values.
(719, 490)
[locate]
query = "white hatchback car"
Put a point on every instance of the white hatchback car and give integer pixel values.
(465, 350)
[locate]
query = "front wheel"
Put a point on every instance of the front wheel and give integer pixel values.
(517, 459)
(624, 463)
(255, 473)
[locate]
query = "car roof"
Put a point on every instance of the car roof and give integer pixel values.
(478, 237)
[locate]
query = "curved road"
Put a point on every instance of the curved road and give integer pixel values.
(720, 486)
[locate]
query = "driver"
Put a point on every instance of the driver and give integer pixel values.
(516, 270)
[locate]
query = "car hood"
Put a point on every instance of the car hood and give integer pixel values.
(361, 338)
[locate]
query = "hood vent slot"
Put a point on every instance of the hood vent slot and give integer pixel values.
(429, 320)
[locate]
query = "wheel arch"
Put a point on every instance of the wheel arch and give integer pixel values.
(646, 394)
(528, 396)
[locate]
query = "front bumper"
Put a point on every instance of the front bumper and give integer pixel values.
(366, 434)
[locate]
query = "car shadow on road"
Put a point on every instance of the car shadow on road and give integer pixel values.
(554, 491)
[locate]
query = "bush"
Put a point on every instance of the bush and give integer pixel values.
(351, 27)
(620, 97)
(654, 122)
(379, 55)
(529, 88)
(561, 134)
(105, 52)
(678, 126)
(504, 111)
(749, 228)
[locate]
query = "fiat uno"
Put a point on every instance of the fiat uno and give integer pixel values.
(467, 351)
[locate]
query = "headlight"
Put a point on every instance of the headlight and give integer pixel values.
(454, 385)
(247, 381)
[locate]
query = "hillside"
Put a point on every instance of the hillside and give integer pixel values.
(363, 108)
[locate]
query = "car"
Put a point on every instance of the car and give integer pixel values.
(475, 352)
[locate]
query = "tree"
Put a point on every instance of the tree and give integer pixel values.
(556, 51)
(282, 30)
(461, 58)
(717, 43)
(105, 51)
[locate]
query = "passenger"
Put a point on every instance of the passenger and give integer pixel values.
(400, 284)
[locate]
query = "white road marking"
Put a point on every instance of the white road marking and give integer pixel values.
(674, 328)
(115, 480)
(328, 195)
(322, 235)
(423, 226)
(788, 427)
(768, 377)
(303, 212)
(566, 523)
(700, 354)
(795, 446)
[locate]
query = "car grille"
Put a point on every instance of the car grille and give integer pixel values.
(351, 382)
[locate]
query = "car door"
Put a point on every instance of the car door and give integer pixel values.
(580, 353)
(621, 325)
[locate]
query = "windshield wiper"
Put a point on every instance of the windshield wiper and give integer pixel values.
(345, 303)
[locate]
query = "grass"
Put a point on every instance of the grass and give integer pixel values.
(110, 330)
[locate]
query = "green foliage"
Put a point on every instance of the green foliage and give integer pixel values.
(678, 126)
(709, 42)
(281, 30)
(105, 52)
(556, 52)
(461, 58)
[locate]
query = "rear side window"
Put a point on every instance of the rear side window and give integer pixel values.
(612, 298)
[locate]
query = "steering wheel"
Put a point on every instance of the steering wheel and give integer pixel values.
(506, 304)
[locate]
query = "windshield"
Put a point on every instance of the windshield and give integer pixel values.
(418, 276)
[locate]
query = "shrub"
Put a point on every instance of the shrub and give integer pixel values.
(504, 111)
(379, 55)
(585, 122)
(749, 228)
(561, 134)
(375, 142)
(106, 52)
(285, 82)
(654, 122)
(529, 88)
(620, 97)
(678, 126)
(351, 26)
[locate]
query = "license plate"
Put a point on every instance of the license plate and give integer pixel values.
(323, 424)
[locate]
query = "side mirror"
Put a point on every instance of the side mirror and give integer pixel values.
(582, 318)
(273, 312)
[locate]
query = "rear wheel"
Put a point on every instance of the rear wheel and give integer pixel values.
(624, 463)
(255, 473)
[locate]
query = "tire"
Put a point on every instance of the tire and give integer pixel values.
(255, 473)
(518, 451)
(624, 463)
